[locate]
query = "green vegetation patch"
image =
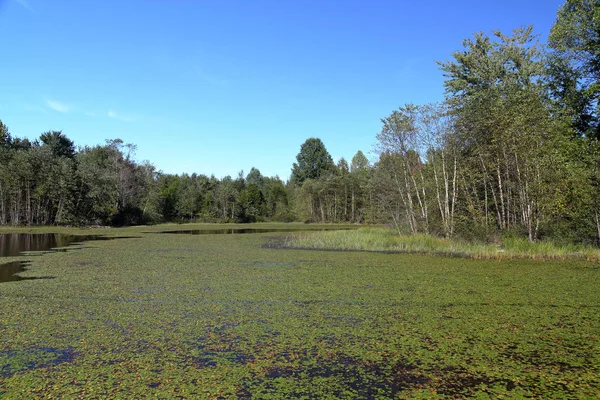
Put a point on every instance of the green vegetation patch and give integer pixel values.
(381, 239)
(221, 316)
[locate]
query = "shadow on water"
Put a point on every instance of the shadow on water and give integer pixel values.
(8, 272)
(14, 244)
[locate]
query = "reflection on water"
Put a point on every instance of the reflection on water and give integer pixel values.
(13, 244)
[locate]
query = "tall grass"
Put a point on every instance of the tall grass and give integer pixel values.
(381, 239)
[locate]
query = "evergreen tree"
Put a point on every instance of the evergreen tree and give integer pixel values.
(313, 161)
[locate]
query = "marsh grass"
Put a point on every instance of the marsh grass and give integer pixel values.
(387, 240)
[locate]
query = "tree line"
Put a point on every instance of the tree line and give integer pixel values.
(514, 148)
(48, 181)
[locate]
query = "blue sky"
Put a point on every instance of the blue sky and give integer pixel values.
(216, 87)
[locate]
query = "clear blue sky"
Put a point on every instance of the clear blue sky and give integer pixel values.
(220, 86)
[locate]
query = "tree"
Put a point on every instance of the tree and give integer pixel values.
(575, 63)
(436, 138)
(168, 188)
(60, 145)
(504, 127)
(254, 176)
(189, 197)
(98, 185)
(5, 138)
(277, 205)
(149, 199)
(388, 202)
(574, 81)
(313, 161)
(360, 169)
(251, 204)
(359, 162)
(225, 195)
(400, 136)
(342, 191)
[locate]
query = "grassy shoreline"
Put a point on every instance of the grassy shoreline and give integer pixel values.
(386, 240)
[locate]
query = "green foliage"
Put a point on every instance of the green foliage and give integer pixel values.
(574, 73)
(359, 162)
(5, 137)
(313, 161)
(98, 185)
(59, 144)
(255, 177)
(251, 203)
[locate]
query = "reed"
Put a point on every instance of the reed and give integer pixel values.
(382, 239)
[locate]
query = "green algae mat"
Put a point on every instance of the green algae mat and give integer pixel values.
(222, 316)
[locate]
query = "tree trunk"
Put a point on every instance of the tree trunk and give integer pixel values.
(438, 193)
(2, 206)
(454, 194)
(353, 216)
(598, 227)
(503, 220)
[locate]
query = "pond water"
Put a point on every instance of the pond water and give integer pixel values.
(8, 272)
(14, 244)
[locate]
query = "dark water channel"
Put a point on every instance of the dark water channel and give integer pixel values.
(8, 272)
(233, 231)
(14, 244)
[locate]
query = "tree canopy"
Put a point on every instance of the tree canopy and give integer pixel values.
(313, 161)
(574, 65)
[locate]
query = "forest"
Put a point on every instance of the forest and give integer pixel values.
(513, 149)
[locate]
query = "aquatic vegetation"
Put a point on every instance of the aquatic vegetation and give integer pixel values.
(27, 359)
(222, 316)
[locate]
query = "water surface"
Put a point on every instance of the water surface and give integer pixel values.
(14, 244)
(234, 231)
(8, 272)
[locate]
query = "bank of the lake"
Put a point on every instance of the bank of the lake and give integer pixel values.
(387, 240)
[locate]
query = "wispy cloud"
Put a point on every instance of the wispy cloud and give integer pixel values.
(121, 117)
(25, 3)
(58, 106)
(91, 114)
